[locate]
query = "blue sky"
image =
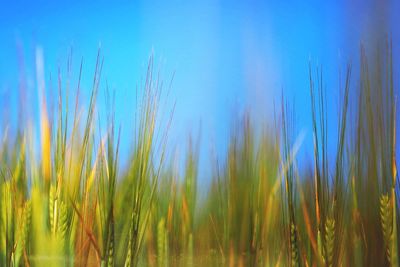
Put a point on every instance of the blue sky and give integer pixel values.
(226, 57)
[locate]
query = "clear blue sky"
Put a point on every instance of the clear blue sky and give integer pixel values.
(226, 56)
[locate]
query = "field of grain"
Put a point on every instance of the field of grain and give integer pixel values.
(73, 204)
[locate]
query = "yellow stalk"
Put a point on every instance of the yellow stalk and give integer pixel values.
(44, 121)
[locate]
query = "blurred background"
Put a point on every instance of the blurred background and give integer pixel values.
(225, 58)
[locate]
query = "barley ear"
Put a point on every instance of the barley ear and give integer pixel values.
(394, 260)
(62, 223)
(161, 245)
(24, 231)
(130, 253)
(330, 240)
(386, 222)
(293, 246)
(52, 204)
(110, 251)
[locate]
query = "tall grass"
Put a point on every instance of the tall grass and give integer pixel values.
(71, 203)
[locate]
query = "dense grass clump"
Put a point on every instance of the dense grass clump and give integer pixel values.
(72, 204)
